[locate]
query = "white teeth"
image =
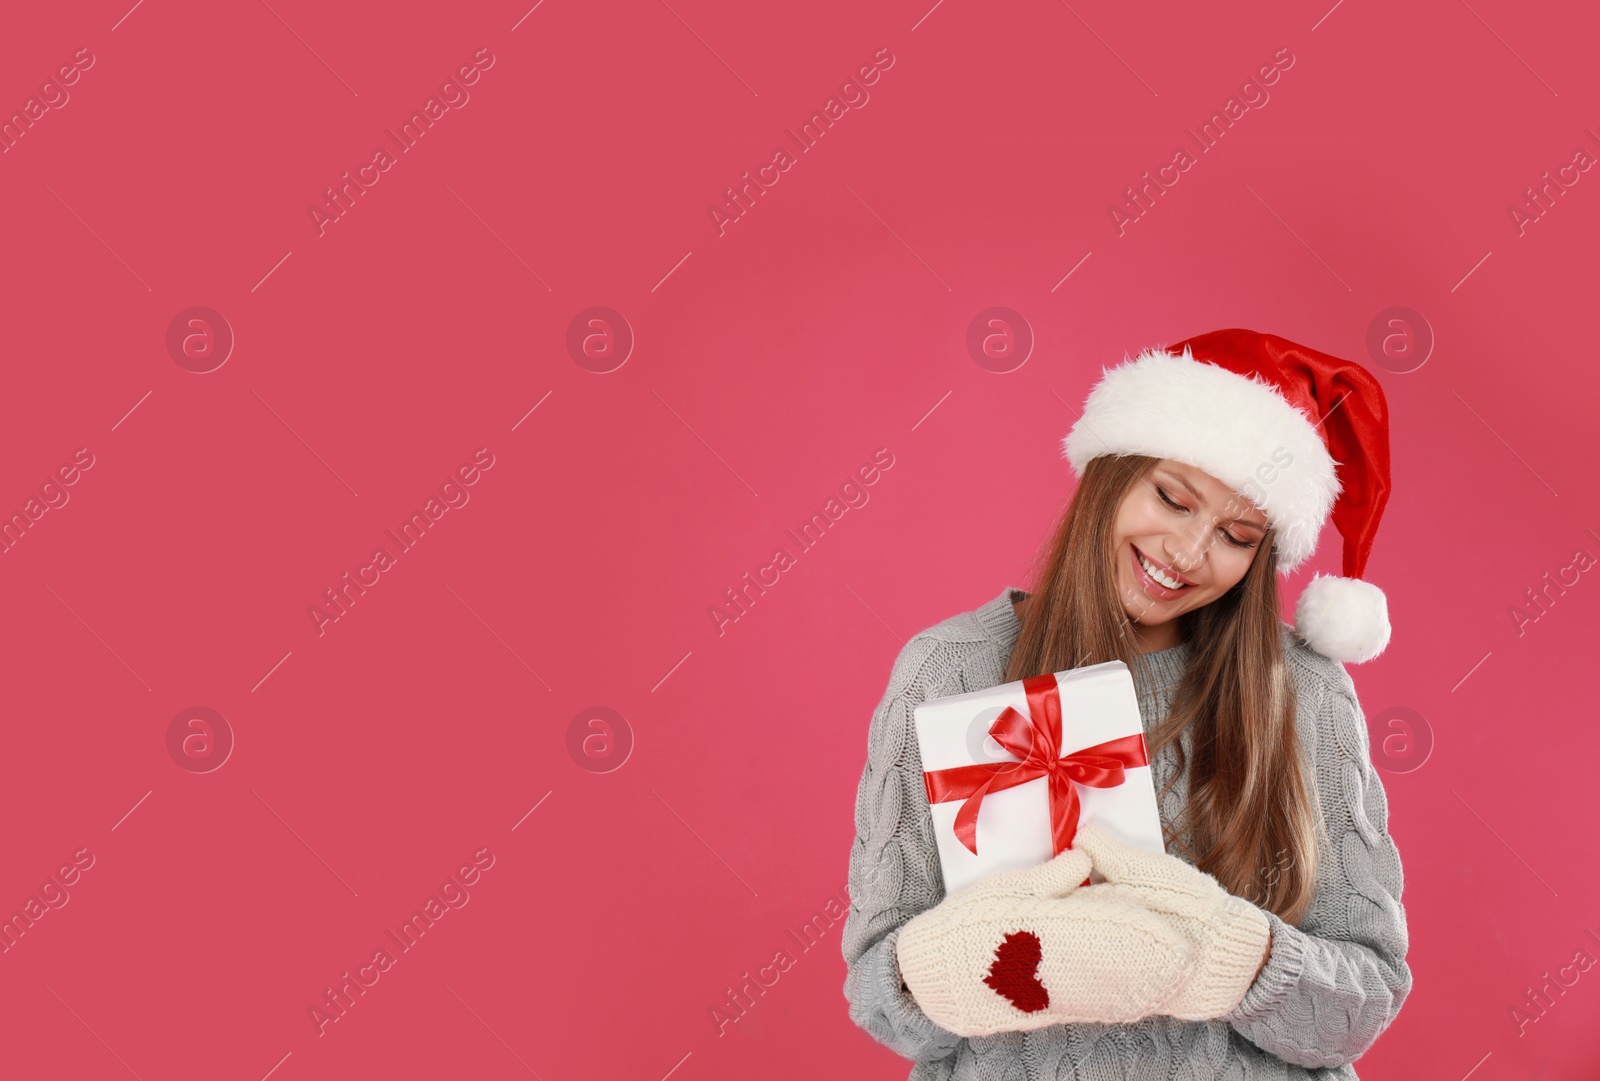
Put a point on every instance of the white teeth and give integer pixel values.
(1170, 583)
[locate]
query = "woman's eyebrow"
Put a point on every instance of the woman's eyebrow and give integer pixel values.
(1236, 521)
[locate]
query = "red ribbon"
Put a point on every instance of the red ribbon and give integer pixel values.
(1036, 741)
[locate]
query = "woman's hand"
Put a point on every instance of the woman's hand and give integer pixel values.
(1229, 937)
(1020, 950)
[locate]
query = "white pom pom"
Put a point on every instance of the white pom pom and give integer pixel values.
(1343, 618)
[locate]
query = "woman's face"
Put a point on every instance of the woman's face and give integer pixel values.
(1196, 531)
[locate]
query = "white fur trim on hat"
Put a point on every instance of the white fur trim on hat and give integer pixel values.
(1343, 618)
(1238, 429)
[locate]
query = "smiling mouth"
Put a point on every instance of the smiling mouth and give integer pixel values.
(1149, 569)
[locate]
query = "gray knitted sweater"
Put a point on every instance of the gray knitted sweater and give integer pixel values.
(1329, 988)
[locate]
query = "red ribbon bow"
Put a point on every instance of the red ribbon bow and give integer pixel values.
(1036, 740)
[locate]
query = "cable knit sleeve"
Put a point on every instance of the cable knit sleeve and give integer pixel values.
(1331, 986)
(894, 866)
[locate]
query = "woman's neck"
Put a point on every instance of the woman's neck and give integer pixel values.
(1151, 640)
(1155, 639)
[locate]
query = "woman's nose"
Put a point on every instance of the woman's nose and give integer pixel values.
(1186, 550)
(1182, 558)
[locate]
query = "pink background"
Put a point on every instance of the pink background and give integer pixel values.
(769, 361)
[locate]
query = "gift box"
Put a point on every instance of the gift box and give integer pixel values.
(1012, 771)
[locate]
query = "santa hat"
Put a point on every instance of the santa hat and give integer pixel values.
(1272, 420)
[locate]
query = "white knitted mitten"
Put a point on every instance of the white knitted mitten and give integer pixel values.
(1020, 950)
(1227, 935)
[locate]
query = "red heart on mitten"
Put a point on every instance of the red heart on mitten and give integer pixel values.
(1012, 973)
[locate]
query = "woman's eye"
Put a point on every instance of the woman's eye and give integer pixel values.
(1230, 537)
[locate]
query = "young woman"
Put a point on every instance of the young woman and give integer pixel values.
(1268, 941)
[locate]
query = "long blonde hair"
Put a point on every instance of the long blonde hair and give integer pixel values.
(1250, 808)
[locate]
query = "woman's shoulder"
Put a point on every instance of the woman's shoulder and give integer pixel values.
(961, 652)
(993, 622)
(1328, 712)
(1312, 670)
